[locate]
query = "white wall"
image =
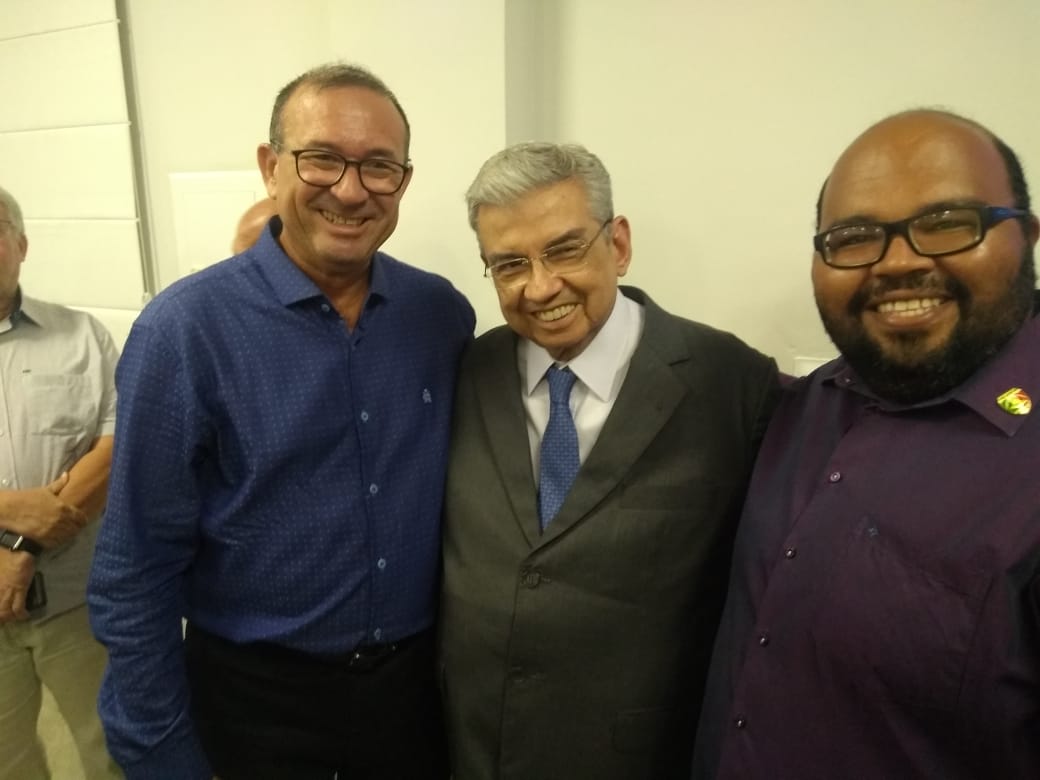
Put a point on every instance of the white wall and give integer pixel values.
(66, 152)
(718, 120)
(207, 72)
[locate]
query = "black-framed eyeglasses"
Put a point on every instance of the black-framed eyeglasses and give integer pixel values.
(322, 168)
(558, 260)
(942, 232)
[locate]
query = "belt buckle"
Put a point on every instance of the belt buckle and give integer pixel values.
(365, 658)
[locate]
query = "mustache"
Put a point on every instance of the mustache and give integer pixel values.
(925, 283)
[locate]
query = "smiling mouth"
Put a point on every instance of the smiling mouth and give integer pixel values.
(912, 307)
(558, 313)
(336, 219)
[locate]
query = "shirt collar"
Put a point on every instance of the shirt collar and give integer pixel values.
(290, 284)
(25, 310)
(598, 363)
(1016, 366)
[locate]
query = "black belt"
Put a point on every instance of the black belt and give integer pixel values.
(363, 658)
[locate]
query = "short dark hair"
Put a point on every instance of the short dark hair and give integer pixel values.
(1016, 176)
(328, 76)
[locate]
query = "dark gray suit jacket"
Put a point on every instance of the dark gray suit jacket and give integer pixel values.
(580, 654)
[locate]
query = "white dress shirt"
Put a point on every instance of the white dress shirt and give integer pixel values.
(600, 369)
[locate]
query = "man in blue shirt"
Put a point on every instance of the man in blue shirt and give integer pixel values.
(278, 478)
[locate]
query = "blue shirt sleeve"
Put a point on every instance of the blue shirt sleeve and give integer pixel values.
(146, 541)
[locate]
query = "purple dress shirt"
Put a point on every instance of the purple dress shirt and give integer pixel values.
(883, 618)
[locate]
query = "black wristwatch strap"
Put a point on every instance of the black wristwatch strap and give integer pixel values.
(18, 543)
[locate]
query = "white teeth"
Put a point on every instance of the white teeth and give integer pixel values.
(336, 219)
(554, 314)
(909, 308)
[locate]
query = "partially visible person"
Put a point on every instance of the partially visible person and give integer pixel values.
(253, 220)
(278, 476)
(883, 618)
(56, 425)
(588, 533)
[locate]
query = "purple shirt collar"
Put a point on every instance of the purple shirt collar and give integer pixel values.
(1010, 368)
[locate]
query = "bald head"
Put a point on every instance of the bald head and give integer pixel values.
(930, 120)
(924, 266)
(251, 223)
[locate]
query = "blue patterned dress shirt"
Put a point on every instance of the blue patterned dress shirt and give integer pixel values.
(277, 477)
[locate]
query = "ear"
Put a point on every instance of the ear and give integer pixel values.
(621, 243)
(1032, 229)
(23, 247)
(267, 160)
(407, 181)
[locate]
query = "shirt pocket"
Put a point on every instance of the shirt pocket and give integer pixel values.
(897, 626)
(59, 404)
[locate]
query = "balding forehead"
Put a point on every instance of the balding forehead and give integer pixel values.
(910, 160)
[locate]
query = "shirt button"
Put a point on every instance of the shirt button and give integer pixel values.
(377, 634)
(326, 308)
(790, 552)
(740, 721)
(381, 563)
(373, 488)
(364, 416)
(763, 639)
(835, 476)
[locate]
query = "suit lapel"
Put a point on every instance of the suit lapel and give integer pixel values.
(497, 388)
(647, 400)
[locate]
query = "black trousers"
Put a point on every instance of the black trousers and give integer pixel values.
(265, 712)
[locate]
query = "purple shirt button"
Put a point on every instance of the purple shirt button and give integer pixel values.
(790, 552)
(740, 721)
(763, 639)
(835, 476)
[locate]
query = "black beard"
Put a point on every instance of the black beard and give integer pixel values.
(978, 336)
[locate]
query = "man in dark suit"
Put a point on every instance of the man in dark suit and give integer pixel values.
(601, 449)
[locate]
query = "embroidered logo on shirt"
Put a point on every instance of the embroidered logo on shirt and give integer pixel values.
(1015, 401)
(426, 397)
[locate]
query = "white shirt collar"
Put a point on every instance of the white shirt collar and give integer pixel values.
(598, 365)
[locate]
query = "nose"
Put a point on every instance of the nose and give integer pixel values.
(900, 258)
(542, 285)
(349, 188)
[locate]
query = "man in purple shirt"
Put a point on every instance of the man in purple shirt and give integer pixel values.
(883, 618)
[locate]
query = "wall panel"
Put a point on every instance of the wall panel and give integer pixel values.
(73, 173)
(84, 263)
(27, 17)
(67, 154)
(67, 78)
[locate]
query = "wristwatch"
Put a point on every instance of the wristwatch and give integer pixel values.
(18, 543)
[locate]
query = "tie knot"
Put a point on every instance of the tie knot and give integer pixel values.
(561, 380)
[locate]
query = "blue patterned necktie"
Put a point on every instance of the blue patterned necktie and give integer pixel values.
(559, 461)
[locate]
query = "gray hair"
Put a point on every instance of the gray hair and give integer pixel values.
(331, 75)
(522, 168)
(12, 210)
